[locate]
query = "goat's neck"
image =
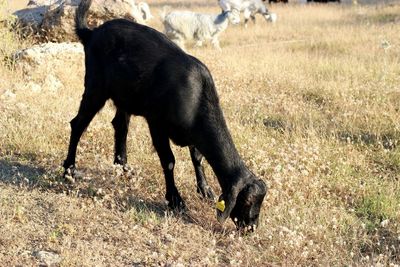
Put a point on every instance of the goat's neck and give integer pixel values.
(219, 150)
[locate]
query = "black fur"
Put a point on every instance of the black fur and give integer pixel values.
(145, 74)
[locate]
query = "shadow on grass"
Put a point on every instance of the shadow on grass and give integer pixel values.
(277, 124)
(388, 17)
(387, 141)
(29, 176)
(377, 212)
(13, 172)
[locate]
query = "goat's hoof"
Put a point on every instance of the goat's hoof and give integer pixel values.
(176, 203)
(207, 193)
(69, 174)
(124, 166)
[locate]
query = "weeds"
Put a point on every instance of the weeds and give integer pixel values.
(317, 119)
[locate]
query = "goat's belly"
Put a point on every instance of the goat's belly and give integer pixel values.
(178, 132)
(131, 106)
(180, 138)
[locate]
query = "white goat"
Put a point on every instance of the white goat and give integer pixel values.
(249, 8)
(140, 12)
(181, 26)
(145, 9)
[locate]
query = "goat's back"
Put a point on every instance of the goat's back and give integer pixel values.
(130, 37)
(193, 25)
(146, 74)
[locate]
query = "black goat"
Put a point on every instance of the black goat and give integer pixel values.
(146, 74)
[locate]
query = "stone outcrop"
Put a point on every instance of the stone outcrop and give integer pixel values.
(46, 66)
(53, 20)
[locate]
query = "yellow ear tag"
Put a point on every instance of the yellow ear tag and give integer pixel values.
(220, 205)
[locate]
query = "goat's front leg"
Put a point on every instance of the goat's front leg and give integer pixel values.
(199, 43)
(245, 22)
(179, 40)
(202, 186)
(89, 106)
(215, 43)
(246, 15)
(121, 124)
(167, 159)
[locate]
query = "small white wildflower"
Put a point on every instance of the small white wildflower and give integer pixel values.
(304, 254)
(8, 94)
(385, 44)
(278, 168)
(385, 223)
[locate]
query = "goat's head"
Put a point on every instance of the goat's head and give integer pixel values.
(270, 17)
(243, 205)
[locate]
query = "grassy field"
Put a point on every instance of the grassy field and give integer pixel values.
(313, 104)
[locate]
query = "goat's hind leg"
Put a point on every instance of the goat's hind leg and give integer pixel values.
(253, 18)
(215, 42)
(167, 159)
(199, 43)
(89, 106)
(121, 124)
(177, 38)
(199, 40)
(202, 186)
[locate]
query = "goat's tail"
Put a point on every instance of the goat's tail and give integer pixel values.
(81, 27)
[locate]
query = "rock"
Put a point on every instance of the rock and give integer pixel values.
(48, 61)
(42, 2)
(51, 83)
(51, 20)
(34, 87)
(49, 54)
(31, 17)
(47, 258)
(8, 95)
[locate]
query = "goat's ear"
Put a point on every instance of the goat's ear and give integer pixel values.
(225, 205)
(262, 187)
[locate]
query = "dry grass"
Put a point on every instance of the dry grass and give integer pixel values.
(313, 105)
